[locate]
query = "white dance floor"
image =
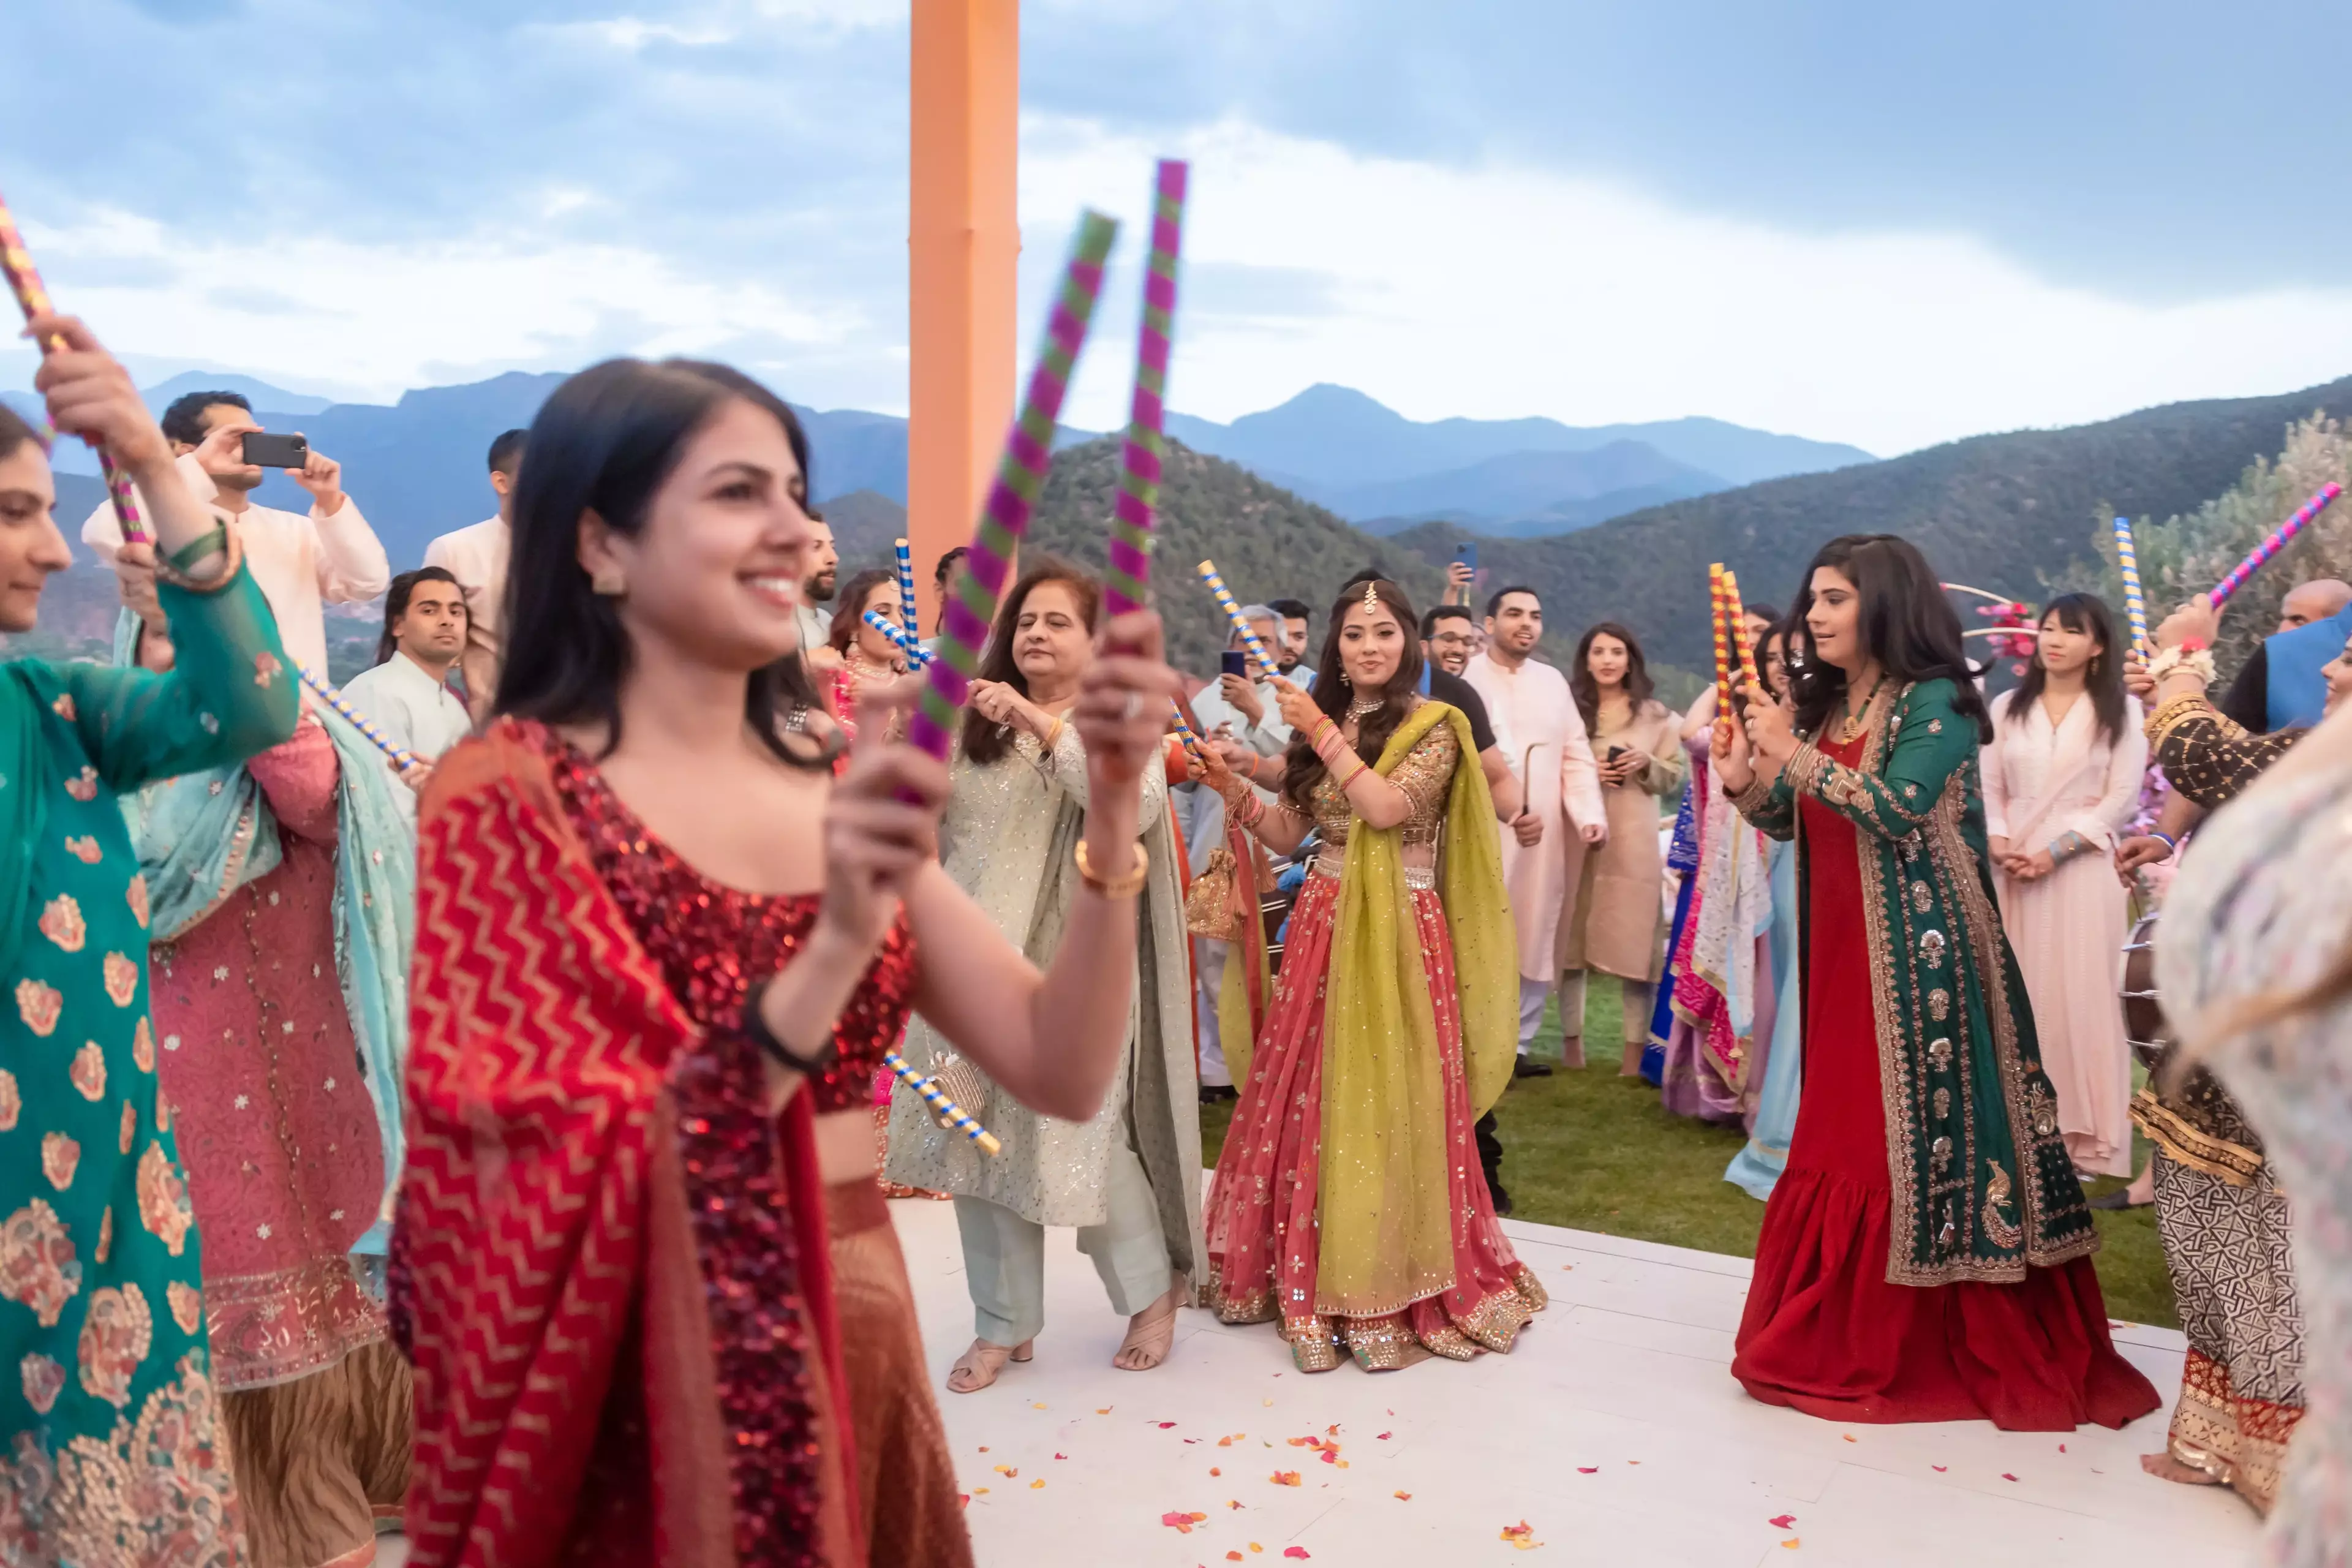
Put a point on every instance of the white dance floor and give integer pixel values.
(1613, 1432)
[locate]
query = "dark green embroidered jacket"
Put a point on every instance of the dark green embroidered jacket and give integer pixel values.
(1983, 1183)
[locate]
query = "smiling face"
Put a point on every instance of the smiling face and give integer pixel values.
(715, 573)
(1517, 625)
(1450, 644)
(1607, 659)
(432, 629)
(876, 649)
(1051, 645)
(1372, 647)
(2063, 651)
(1834, 621)
(30, 545)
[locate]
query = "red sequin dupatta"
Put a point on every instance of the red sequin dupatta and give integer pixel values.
(610, 1269)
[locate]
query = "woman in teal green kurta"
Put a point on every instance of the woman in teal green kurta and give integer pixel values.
(106, 1396)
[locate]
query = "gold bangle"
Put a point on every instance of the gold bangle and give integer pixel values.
(1125, 887)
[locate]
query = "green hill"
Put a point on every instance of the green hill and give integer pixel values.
(1266, 542)
(2005, 512)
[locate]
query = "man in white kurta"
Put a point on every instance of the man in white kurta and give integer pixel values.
(1542, 736)
(408, 694)
(477, 556)
(1245, 722)
(300, 563)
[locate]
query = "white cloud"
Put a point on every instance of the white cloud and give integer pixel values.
(1504, 293)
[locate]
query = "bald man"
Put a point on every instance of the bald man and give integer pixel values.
(2282, 687)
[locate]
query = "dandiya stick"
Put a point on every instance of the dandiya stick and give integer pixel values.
(25, 281)
(1138, 502)
(1028, 449)
(2135, 601)
(1224, 595)
(1717, 606)
(908, 646)
(1980, 592)
(1184, 732)
(907, 589)
(946, 1109)
(1736, 613)
(2279, 538)
(360, 722)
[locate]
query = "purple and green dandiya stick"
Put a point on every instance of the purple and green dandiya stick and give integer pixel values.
(907, 589)
(2278, 541)
(25, 281)
(1139, 475)
(1028, 450)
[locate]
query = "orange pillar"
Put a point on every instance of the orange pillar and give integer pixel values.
(964, 243)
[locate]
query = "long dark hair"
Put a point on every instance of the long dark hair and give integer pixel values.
(1586, 690)
(849, 605)
(604, 442)
(2103, 681)
(985, 740)
(1332, 693)
(1905, 623)
(395, 604)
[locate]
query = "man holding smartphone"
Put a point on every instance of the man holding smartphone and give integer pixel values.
(300, 563)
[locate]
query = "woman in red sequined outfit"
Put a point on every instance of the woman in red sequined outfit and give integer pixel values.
(644, 1028)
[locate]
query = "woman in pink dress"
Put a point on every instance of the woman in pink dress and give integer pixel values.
(2062, 776)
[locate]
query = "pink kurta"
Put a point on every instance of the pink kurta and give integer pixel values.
(1542, 736)
(285, 1164)
(2042, 781)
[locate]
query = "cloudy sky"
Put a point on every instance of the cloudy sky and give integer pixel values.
(1886, 223)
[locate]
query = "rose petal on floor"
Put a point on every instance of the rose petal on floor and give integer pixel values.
(1782, 1521)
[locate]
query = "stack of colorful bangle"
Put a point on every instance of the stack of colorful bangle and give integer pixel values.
(1333, 748)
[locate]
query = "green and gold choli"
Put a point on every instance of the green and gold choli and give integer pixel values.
(1982, 1184)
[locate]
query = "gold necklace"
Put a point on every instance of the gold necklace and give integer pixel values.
(1364, 707)
(1853, 724)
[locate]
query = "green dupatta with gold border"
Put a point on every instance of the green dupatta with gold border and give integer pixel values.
(1385, 1196)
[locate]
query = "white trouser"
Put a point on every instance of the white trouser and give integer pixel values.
(1209, 977)
(1533, 994)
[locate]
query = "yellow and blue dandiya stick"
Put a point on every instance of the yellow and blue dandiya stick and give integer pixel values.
(2135, 601)
(1208, 570)
(898, 635)
(907, 589)
(341, 704)
(1184, 732)
(946, 1109)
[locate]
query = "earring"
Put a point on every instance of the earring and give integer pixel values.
(607, 583)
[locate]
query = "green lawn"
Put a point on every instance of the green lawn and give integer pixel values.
(1596, 1151)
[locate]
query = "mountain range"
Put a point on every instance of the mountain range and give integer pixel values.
(418, 466)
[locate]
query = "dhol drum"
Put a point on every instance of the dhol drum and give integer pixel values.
(2145, 1024)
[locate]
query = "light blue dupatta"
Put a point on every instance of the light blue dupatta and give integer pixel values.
(201, 836)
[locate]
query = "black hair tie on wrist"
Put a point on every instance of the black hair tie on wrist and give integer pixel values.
(755, 1028)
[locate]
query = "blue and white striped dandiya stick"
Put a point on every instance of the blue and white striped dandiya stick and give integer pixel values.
(898, 635)
(946, 1109)
(365, 726)
(1184, 730)
(906, 590)
(1225, 598)
(2135, 601)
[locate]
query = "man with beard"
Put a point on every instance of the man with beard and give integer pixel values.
(1292, 655)
(331, 557)
(1544, 741)
(814, 612)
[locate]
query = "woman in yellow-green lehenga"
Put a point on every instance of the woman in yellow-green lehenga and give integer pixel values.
(1349, 1203)
(113, 1450)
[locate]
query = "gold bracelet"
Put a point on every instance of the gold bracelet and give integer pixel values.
(1125, 887)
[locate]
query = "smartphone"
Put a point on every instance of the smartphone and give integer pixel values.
(1467, 554)
(1233, 662)
(264, 450)
(1615, 752)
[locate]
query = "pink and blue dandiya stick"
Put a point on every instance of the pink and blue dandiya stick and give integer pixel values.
(906, 590)
(889, 628)
(963, 628)
(946, 1109)
(341, 704)
(25, 281)
(1224, 595)
(2278, 541)
(1139, 475)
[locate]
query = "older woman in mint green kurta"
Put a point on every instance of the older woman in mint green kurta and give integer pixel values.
(106, 1396)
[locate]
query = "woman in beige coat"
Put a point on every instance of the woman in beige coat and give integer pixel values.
(1636, 739)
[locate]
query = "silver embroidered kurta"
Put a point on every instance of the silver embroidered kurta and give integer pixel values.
(1006, 838)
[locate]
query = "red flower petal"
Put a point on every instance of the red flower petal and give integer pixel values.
(1383, 1437)
(1299, 1552)
(1782, 1521)
(2007, 1476)
(1588, 1469)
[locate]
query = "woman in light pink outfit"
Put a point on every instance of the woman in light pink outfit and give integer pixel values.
(2061, 776)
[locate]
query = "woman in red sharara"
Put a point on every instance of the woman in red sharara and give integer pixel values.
(660, 949)
(1927, 1255)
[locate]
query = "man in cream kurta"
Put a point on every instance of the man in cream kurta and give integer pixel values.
(477, 557)
(299, 563)
(1542, 735)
